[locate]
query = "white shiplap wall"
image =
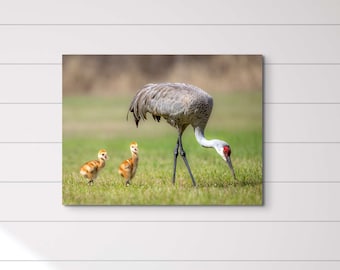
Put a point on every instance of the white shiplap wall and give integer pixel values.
(298, 226)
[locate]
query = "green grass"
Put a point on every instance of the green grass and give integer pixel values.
(92, 123)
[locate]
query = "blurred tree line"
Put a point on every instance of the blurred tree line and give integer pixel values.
(106, 74)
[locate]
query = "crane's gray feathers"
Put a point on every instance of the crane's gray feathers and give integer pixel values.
(179, 103)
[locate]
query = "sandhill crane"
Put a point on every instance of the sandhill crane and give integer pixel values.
(128, 168)
(91, 168)
(181, 105)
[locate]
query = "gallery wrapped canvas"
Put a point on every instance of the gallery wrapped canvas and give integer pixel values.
(162, 130)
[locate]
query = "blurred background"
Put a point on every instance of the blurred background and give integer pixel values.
(105, 74)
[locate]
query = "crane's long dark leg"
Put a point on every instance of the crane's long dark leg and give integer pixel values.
(182, 153)
(175, 161)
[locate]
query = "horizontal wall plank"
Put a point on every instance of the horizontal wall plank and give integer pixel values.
(30, 83)
(301, 123)
(301, 162)
(283, 123)
(282, 83)
(282, 162)
(37, 162)
(214, 11)
(170, 265)
(282, 202)
(31, 122)
(46, 44)
(301, 83)
(128, 241)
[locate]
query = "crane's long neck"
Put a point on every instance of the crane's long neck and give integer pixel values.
(199, 134)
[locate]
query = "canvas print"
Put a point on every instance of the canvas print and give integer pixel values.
(162, 130)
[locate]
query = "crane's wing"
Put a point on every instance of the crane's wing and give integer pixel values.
(167, 100)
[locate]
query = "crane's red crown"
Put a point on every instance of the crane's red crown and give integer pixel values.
(226, 150)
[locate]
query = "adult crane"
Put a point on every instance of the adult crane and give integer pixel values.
(180, 105)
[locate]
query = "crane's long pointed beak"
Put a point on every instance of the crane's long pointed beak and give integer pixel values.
(228, 160)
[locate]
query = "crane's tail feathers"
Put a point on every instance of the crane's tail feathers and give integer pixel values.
(144, 102)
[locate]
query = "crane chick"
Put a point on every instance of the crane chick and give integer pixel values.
(128, 168)
(91, 168)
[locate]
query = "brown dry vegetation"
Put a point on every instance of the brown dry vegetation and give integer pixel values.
(103, 75)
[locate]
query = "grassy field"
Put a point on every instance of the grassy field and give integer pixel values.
(92, 123)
